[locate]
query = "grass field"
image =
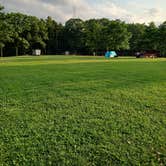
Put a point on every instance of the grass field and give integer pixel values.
(61, 110)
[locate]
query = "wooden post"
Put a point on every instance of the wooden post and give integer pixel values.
(1, 51)
(16, 51)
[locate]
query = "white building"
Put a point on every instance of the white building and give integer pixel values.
(36, 52)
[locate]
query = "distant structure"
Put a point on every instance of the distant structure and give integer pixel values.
(110, 54)
(74, 11)
(147, 54)
(36, 52)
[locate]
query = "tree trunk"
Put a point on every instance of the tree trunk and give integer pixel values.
(1, 51)
(16, 51)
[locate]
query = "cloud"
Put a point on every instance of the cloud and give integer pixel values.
(62, 10)
(147, 11)
(153, 12)
(148, 15)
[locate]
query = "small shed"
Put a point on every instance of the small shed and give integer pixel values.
(36, 52)
(67, 53)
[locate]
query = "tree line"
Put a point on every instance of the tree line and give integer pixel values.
(20, 34)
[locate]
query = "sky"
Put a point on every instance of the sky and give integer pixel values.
(140, 11)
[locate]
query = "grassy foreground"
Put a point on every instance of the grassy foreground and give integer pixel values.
(60, 110)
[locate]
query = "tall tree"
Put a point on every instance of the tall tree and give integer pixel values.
(116, 35)
(162, 39)
(1, 7)
(28, 31)
(103, 34)
(54, 43)
(74, 34)
(150, 41)
(38, 34)
(93, 31)
(2, 28)
(19, 26)
(137, 36)
(5, 31)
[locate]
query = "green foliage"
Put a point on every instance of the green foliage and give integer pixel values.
(138, 32)
(116, 36)
(151, 37)
(93, 34)
(68, 110)
(103, 34)
(5, 31)
(55, 35)
(28, 31)
(74, 34)
(144, 37)
(77, 36)
(1, 7)
(162, 39)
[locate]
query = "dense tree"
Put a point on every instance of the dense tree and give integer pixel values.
(19, 25)
(137, 30)
(77, 36)
(93, 30)
(27, 31)
(5, 31)
(150, 38)
(38, 33)
(2, 29)
(1, 7)
(116, 36)
(162, 39)
(55, 36)
(103, 34)
(74, 34)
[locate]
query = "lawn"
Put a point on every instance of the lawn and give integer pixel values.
(69, 110)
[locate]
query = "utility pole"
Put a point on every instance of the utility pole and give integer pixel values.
(74, 12)
(74, 9)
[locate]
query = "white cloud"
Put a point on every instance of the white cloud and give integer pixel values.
(62, 10)
(149, 15)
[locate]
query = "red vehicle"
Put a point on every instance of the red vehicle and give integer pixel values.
(147, 54)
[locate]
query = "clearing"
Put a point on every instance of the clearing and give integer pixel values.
(69, 110)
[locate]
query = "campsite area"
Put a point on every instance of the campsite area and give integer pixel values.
(72, 110)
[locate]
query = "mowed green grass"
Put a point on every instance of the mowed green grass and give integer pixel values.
(62, 110)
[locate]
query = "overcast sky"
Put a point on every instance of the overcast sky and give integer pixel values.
(61, 10)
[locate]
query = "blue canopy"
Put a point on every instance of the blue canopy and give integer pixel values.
(110, 54)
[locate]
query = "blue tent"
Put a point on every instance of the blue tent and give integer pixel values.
(110, 54)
